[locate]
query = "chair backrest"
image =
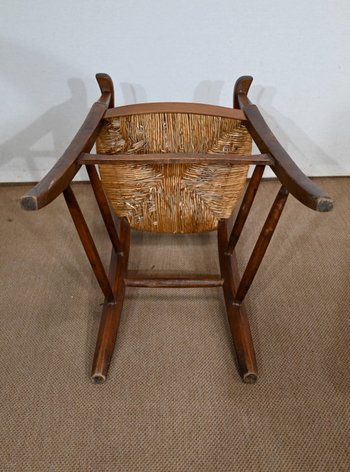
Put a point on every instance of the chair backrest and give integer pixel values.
(180, 197)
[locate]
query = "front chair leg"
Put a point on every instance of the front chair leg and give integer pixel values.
(236, 313)
(111, 313)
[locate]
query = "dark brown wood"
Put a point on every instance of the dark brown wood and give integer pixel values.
(235, 289)
(289, 174)
(176, 158)
(88, 244)
(61, 174)
(175, 107)
(105, 83)
(139, 279)
(261, 244)
(236, 313)
(242, 86)
(104, 207)
(111, 313)
(245, 207)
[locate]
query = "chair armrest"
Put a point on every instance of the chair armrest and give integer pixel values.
(289, 174)
(62, 173)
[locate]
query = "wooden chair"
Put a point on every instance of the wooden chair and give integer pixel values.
(174, 167)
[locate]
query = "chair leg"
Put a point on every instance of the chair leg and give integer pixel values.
(111, 312)
(237, 315)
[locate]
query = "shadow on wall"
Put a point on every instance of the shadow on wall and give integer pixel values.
(59, 121)
(59, 124)
(294, 139)
(133, 93)
(33, 74)
(208, 91)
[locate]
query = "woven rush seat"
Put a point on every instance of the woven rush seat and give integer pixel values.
(177, 198)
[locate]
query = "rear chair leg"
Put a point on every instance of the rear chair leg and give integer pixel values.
(237, 315)
(111, 313)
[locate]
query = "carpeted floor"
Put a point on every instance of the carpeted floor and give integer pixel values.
(174, 400)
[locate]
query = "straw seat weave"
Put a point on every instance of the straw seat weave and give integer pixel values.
(175, 198)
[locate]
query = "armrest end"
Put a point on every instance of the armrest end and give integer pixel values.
(29, 203)
(324, 204)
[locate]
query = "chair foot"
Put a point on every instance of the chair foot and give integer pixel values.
(242, 341)
(106, 339)
(111, 312)
(98, 378)
(236, 313)
(250, 378)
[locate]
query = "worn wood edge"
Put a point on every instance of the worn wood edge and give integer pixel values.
(175, 107)
(176, 158)
(135, 274)
(250, 377)
(242, 85)
(98, 378)
(29, 202)
(105, 83)
(324, 204)
(171, 280)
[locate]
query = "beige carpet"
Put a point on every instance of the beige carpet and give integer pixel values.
(174, 400)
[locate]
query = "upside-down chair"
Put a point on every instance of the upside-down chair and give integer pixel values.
(176, 168)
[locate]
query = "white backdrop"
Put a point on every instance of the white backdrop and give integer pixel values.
(298, 52)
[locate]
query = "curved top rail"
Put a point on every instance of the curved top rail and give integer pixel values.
(176, 107)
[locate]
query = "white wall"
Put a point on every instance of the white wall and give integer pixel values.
(183, 50)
